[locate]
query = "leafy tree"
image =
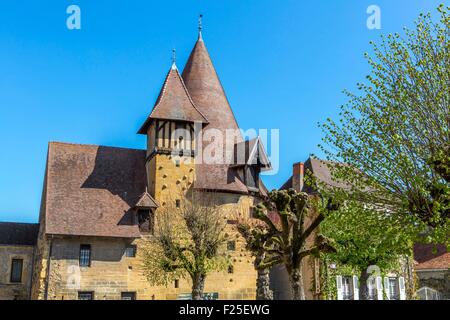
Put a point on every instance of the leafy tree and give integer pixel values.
(390, 136)
(365, 237)
(283, 215)
(188, 242)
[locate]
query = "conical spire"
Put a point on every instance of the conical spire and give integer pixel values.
(174, 102)
(205, 88)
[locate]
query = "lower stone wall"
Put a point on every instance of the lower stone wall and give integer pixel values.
(111, 273)
(17, 291)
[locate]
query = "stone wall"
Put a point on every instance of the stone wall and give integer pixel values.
(111, 273)
(18, 291)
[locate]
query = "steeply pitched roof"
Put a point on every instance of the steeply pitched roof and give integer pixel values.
(174, 102)
(251, 152)
(209, 96)
(13, 233)
(90, 190)
(431, 257)
(204, 87)
(146, 201)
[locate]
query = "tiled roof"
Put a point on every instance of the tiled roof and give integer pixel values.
(90, 190)
(174, 102)
(429, 256)
(12, 233)
(321, 171)
(209, 97)
(146, 201)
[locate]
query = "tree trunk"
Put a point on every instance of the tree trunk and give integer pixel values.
(263, 291)
(198, 285)
(363, 288)
(296, 279)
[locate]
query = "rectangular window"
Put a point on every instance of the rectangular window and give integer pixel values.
(85, 255)
(130, 251)
(231, 245)
(16, 270)
(177, 203)
(128, 295)
(177, 163)
(347, 291)
(372, 289)
(177, 284)
(85, 295)
(393, 288)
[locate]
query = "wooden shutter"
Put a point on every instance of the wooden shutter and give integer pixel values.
(355, 288)
(386, 288)
(401, 287)
(379, 284)
(339, 288)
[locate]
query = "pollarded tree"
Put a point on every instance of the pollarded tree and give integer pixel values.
(257, 237)
(389, 134)
(189, 242)
(284, 215)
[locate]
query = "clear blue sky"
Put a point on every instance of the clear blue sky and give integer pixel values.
(283, 64)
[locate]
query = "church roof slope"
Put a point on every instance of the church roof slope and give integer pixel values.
(174, 102)
(205, 89)
(91, 190)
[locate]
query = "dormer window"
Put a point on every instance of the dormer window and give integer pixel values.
(144, 211)
(145, 221)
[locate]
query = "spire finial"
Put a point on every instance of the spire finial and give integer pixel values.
(174, 58)
(200, 27)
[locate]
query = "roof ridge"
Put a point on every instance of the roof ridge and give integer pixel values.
(90, 145)
(162, 92)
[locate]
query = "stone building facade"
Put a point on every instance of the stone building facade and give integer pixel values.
(99, 203)
(17, 244)
(433, 271)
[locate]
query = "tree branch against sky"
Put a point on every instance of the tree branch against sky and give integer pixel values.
(389, 133)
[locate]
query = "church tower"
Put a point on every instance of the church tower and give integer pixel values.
(170, 140)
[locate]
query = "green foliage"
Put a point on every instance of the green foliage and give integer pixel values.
(393, 137)
(365, 237)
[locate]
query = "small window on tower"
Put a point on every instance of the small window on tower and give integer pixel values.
(177, 203)
(231, 245)
(177, 163)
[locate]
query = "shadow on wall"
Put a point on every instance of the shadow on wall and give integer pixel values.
(121, 172)
(101, 250)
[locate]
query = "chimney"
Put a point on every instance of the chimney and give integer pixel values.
(297, 176)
